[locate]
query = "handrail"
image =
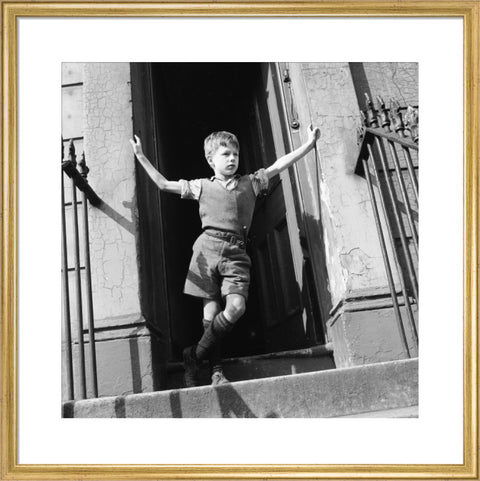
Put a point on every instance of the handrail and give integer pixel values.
(393, 137)
(69, 167)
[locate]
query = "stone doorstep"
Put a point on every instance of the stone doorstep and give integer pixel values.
(407, 412)
(332, 393)
(284, 363)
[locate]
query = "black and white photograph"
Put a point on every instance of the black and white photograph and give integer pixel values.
(230, 287)
(240, 240)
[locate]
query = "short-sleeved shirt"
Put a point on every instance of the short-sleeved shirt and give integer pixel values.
(226, 205)
(191, 189)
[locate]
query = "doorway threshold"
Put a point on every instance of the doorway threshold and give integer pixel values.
(283, 363)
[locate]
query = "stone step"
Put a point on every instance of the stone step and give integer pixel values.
(316, 358)
(408, 412)
(330, 393)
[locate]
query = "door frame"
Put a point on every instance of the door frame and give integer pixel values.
(308, 276)
(154, 293)
(152, 235)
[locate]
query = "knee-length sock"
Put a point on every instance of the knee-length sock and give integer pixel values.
(215, 332)
(215, 357)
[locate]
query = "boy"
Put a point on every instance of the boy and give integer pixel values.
(219, 271)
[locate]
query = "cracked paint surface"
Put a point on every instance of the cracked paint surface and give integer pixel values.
(339, 202)
(393, 80)
(356, 262)
(103, 118)
(113, 227)
(353, 253)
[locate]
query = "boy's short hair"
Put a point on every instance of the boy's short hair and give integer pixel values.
(219, 139)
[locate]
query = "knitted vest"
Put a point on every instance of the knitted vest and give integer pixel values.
(227, 210)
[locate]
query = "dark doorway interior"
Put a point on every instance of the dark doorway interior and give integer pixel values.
(191, 101)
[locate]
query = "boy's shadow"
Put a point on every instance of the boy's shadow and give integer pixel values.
(230, 402)
(233, 406)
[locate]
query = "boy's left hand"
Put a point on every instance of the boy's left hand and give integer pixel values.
(313, 134)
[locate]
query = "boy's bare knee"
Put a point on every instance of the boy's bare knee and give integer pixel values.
(235, 307)
(211, 308)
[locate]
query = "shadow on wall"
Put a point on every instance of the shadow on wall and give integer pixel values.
(135, 362)
(109, 211)
(316, 277)
(360, 82)
(158, 340)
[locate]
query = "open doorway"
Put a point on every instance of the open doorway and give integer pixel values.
(189, 101)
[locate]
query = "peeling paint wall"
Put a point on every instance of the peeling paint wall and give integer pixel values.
(325, 95)
(97, 112)
(369, 336)
(114, 227)
(397, 80)
(329, 95)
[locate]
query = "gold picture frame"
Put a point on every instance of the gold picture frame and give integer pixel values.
(468, 11)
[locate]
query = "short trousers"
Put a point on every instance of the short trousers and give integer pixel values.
(217, 268)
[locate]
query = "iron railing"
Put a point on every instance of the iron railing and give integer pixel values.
(77, 172)
(388, 148)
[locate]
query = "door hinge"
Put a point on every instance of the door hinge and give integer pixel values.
(294, 123)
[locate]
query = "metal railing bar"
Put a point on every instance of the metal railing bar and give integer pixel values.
(396, 259)
(66, 304)
(73, 84)
(403, 240)
(393, 137)
(71, 170)
(78, 175)
(386, 261)
(81, 348)
(73, 269)
(88, 280)
(403, 191)
(411, 171)
(70, 139)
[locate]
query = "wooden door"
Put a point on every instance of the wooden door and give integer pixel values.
(282, 310)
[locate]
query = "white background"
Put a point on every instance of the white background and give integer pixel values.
(436, 437)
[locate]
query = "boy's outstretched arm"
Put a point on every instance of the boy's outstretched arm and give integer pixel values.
(289, 159)
(162, 183)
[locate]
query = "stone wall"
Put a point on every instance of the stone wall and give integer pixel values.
(398, 80)
(101, 113)
(326, 97)
(338, 206)
(114, 227)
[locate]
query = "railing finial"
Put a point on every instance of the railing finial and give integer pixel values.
(363, 118)
(411, 122)
(396, 116)
(71, 151)
(384, 117)
(371, 114)
(82, 166)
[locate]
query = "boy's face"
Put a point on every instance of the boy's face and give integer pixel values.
(225, 161)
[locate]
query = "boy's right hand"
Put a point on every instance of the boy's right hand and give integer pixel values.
(136, 146)
(313, 134)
